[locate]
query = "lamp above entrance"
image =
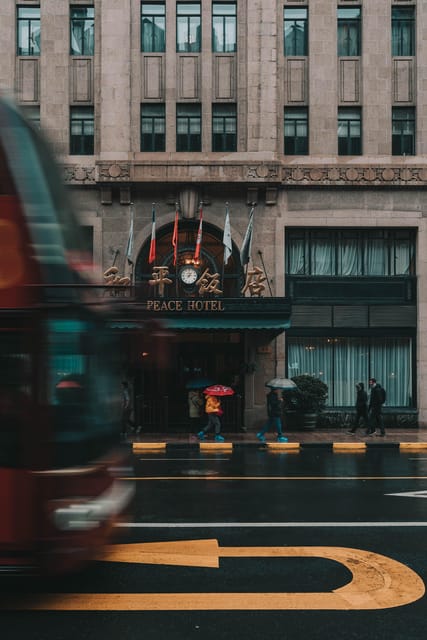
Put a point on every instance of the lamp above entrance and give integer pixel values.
(188, 202)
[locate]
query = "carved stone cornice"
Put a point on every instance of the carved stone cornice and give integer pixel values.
(344, 175)
(270, 174)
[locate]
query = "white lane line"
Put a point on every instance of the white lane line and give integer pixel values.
(210, 459)
(289, 525)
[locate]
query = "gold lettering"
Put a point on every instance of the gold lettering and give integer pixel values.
(156, 306)
(150, 304)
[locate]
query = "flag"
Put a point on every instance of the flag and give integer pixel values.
(226, 239)
(129, 246)
(245, 251)
(199, 236)
(175, 239)
(152, 254)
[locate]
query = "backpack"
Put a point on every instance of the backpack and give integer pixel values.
(382, 394)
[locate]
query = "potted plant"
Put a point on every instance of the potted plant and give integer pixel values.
(310, 399)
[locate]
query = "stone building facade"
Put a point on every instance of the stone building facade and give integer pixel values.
(317, 111)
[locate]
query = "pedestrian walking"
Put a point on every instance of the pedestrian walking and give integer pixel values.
(126, 410)
(274, 412)
(376, 400)
(361, 407)
(214, 411)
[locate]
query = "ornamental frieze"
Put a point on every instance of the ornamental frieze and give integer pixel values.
(345, 176)
(75, 174)
(113, 172)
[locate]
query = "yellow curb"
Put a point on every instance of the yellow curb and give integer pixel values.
(348, 445)
(283, 445)
(413, 445)
(210, 446)
(146, 446)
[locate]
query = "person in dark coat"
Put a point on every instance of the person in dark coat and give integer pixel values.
(274, 412)
(361, 407)
(376, 401)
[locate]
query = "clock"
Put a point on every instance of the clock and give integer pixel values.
(188, 275)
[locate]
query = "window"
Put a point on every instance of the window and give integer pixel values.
(81, 131)
(224, 127)
(296, 32)
(153, 26)
(341, 362)
(32, 113)
(350, 252)
(296, 131)
(188, 127)
(188, 29)
(28, 31)
(349, 132)
(349, 31)
(82, 26)
(403, 125)
(224, 24)
(403, 31)
(153, 127)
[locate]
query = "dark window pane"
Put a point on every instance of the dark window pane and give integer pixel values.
(81, 131)
(224, 127)
(82, 27)
(153, 127)
(28, 31)
(224, 24)
(403, 31)
(188, 27)
(153, 27)
(349, 26)
(296, 132)
(188, 127)
(296, 32)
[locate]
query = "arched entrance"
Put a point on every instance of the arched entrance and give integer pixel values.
(162, 381)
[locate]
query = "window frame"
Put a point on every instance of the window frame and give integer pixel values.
(154, 18)
(224, 141)
(20, 30)
(349, 23)
(85, 49)
(155, 120)
(404, 22)
(297, 48)
(82, 144)
(194, 140)
(403, 121)
(184, 21)
(354, 143)
(227, 19)
(300, 144)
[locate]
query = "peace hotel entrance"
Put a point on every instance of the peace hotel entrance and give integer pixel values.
(194, 323)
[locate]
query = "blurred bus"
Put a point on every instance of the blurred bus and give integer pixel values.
(59, 402)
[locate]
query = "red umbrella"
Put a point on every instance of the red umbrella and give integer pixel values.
(219, 390)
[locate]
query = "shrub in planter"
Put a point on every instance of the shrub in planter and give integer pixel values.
(310, 396)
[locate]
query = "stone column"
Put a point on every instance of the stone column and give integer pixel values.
(8, 40)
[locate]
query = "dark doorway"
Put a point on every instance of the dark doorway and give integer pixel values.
(161, 393)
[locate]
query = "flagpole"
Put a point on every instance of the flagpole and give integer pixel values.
(176, 248)
(223, 258)
(130, 244)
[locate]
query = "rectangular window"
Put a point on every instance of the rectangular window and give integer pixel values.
(349, 132)
(153, 127)
(224, 127)
(342, 362)
(349, 36)
(224, 27)
(296, 131)
(403, 137)
(82, 31)
(296, 31)
(402, 31)
(350, 252)
(188, 127)
(81, 131)
(153, 26)
(28, 31)
(188, 27)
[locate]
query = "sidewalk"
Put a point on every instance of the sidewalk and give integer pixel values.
(317, 437)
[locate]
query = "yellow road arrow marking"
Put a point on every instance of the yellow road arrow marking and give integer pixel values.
(378, 582)
(188, 553)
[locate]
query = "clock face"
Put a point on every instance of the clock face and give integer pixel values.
(188, 275)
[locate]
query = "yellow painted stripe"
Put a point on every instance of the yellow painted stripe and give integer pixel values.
(137, 447)
(215, 446)
(337, 446)
(283, 446)
(413, 445)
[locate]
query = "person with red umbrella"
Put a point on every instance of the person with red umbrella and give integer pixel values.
(214, 410)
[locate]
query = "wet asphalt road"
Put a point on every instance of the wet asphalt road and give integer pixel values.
(252, 498)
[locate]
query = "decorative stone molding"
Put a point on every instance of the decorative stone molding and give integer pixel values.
(354, 175)
(113, 172)
(75, 174)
